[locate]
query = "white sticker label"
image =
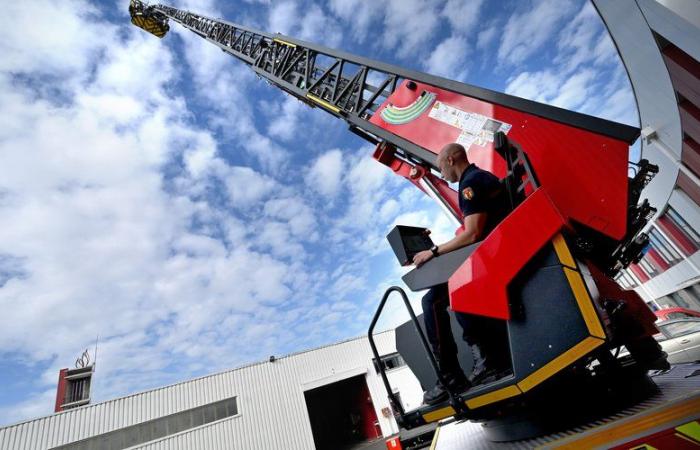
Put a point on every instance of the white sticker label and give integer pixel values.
(475, 128)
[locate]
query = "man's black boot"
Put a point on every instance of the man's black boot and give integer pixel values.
(479, 369)
(456, 382)
(486, 370)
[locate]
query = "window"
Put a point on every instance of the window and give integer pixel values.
(625, 280)
(688, 298)
(77, 390)
(679, 231)
(683, 225)
(390, 362)
(664, 248)
(638, 272)
(649, 269)
(157, 428)
(677, 315)
(680, 300)
(660, 337)
(682, 328)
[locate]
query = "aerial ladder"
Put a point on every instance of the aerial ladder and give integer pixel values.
(546, 271)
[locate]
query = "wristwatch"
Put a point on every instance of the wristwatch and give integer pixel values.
(434, 250)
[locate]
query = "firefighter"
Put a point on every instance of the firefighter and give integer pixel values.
(483, 203)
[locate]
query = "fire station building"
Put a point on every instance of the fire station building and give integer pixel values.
(659, 44)
(329, 397)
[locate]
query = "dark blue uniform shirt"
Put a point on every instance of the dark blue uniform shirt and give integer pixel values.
(480, 191)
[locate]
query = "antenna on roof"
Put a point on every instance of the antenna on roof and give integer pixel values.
(97, 339)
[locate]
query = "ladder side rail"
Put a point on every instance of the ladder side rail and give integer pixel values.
(259, 51)
(605, 127)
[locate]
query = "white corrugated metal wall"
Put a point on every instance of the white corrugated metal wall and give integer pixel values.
(271, 404)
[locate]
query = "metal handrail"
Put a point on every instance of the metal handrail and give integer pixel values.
(397, 405)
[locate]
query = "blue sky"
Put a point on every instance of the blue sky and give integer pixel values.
(159, 195)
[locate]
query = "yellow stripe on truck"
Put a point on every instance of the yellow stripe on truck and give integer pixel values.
(560, 362)
(439, 414)
(492, 397)
(585, 304)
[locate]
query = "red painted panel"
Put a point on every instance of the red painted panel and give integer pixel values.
(690, 155)
(585, 173)
(684, 71)
(677, 235)
(369, 415)
(690, 119)
(639, 272)
(405, 170)
(479, 286)
(689, 187)
(657, 260)
(60, 390)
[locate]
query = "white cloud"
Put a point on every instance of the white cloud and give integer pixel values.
(317, 26)
(246, 187)
(486, 37)
(285, 120)
(283, 17)
(61, 37)
(585, 74)
(578, 40)
(539, 86)
(605, 51)
(463, 15)
(296, 213)
(449, 59)
(409, 25)
(555, 88)
(223, 83)
(526, 31)
(358, 14)
(575, 90)
(325, 173)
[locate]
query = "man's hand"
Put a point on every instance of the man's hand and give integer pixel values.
(423, 257)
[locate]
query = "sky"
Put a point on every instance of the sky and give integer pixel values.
(157, 195)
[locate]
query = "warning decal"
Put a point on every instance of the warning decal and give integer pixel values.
(474, 128)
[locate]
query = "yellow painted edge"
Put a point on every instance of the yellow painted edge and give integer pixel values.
(491, 397)
(323, 103)
(585, 303)
(284, 42)
(635, 426)
(435, 438)
(562, 251)
(691, 429)
(560, 362)
(439, 414)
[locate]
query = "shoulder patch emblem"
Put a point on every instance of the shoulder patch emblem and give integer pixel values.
(468, 193)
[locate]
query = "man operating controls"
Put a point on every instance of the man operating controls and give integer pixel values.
(483, 203)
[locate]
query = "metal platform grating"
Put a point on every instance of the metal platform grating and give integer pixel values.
(681, 382)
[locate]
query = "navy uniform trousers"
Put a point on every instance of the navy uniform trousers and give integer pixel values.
(488, 334)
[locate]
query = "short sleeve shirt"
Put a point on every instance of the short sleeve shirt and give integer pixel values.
(480, 191)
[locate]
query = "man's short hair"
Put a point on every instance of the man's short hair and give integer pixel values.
(455, 150)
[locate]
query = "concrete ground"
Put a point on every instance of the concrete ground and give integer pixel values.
(377, 444)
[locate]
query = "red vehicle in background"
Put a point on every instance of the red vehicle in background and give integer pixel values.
(676, 313)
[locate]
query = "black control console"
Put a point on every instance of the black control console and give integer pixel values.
(407, 241)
